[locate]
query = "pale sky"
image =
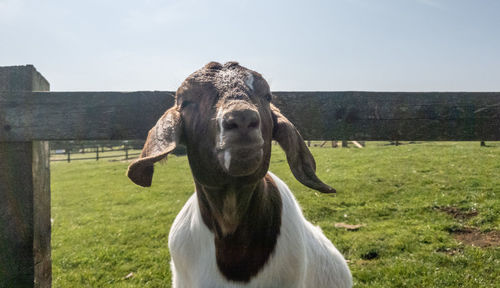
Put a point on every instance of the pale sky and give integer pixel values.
(337, 45)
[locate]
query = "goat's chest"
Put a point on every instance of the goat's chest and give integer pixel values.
(193, 251)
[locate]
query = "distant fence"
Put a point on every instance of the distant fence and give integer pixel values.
(101, 149)
(97, 151)
(73, 150)
(30, 116)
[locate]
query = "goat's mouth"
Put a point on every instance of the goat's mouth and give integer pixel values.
(240, 161)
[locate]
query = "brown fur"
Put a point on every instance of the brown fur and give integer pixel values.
(244, 249)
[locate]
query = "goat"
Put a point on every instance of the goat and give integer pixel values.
(242, 227)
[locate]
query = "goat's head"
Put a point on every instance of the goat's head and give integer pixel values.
(224, 116)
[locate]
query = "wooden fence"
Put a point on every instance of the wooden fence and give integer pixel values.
(30, 116)
(99, 152)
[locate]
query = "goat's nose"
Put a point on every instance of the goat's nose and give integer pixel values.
(241, 120)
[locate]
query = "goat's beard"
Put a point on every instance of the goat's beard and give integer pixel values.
(239, 162)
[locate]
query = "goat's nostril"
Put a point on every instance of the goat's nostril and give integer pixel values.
(229, 125)
(244, 120)
(254, 124)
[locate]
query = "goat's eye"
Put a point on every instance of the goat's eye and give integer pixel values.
(269, 97)
(184, 104)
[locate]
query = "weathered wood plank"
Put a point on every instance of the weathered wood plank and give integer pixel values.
(80, 115)
(41, 214)
(16, 215)
(25, 215)
(393, 115)
(25, 197)
(318, 115)
(22, 78)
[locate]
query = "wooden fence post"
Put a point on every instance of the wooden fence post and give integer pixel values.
(24, 195)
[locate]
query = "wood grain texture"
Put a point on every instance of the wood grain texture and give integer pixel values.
(24, 196)
(16, 215)
(22, 78)
(40, 173)
(415, 116)
(80, 115)
(41, 214)
(318, 115)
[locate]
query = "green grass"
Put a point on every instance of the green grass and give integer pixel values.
(105, 227)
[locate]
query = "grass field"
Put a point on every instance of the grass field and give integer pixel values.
(430, 213)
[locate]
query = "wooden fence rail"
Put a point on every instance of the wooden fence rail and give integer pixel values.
(29, 116)
(411, 116)
(125, 156)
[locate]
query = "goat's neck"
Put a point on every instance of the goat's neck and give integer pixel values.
(224, 208)
(246, 221)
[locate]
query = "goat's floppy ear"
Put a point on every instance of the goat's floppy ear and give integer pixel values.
(299, 157)
(162, 139)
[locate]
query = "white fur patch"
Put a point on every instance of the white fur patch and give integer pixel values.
(227, 152)
(226, 77)
(219, 120)
(249, 81)
(227, 159)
